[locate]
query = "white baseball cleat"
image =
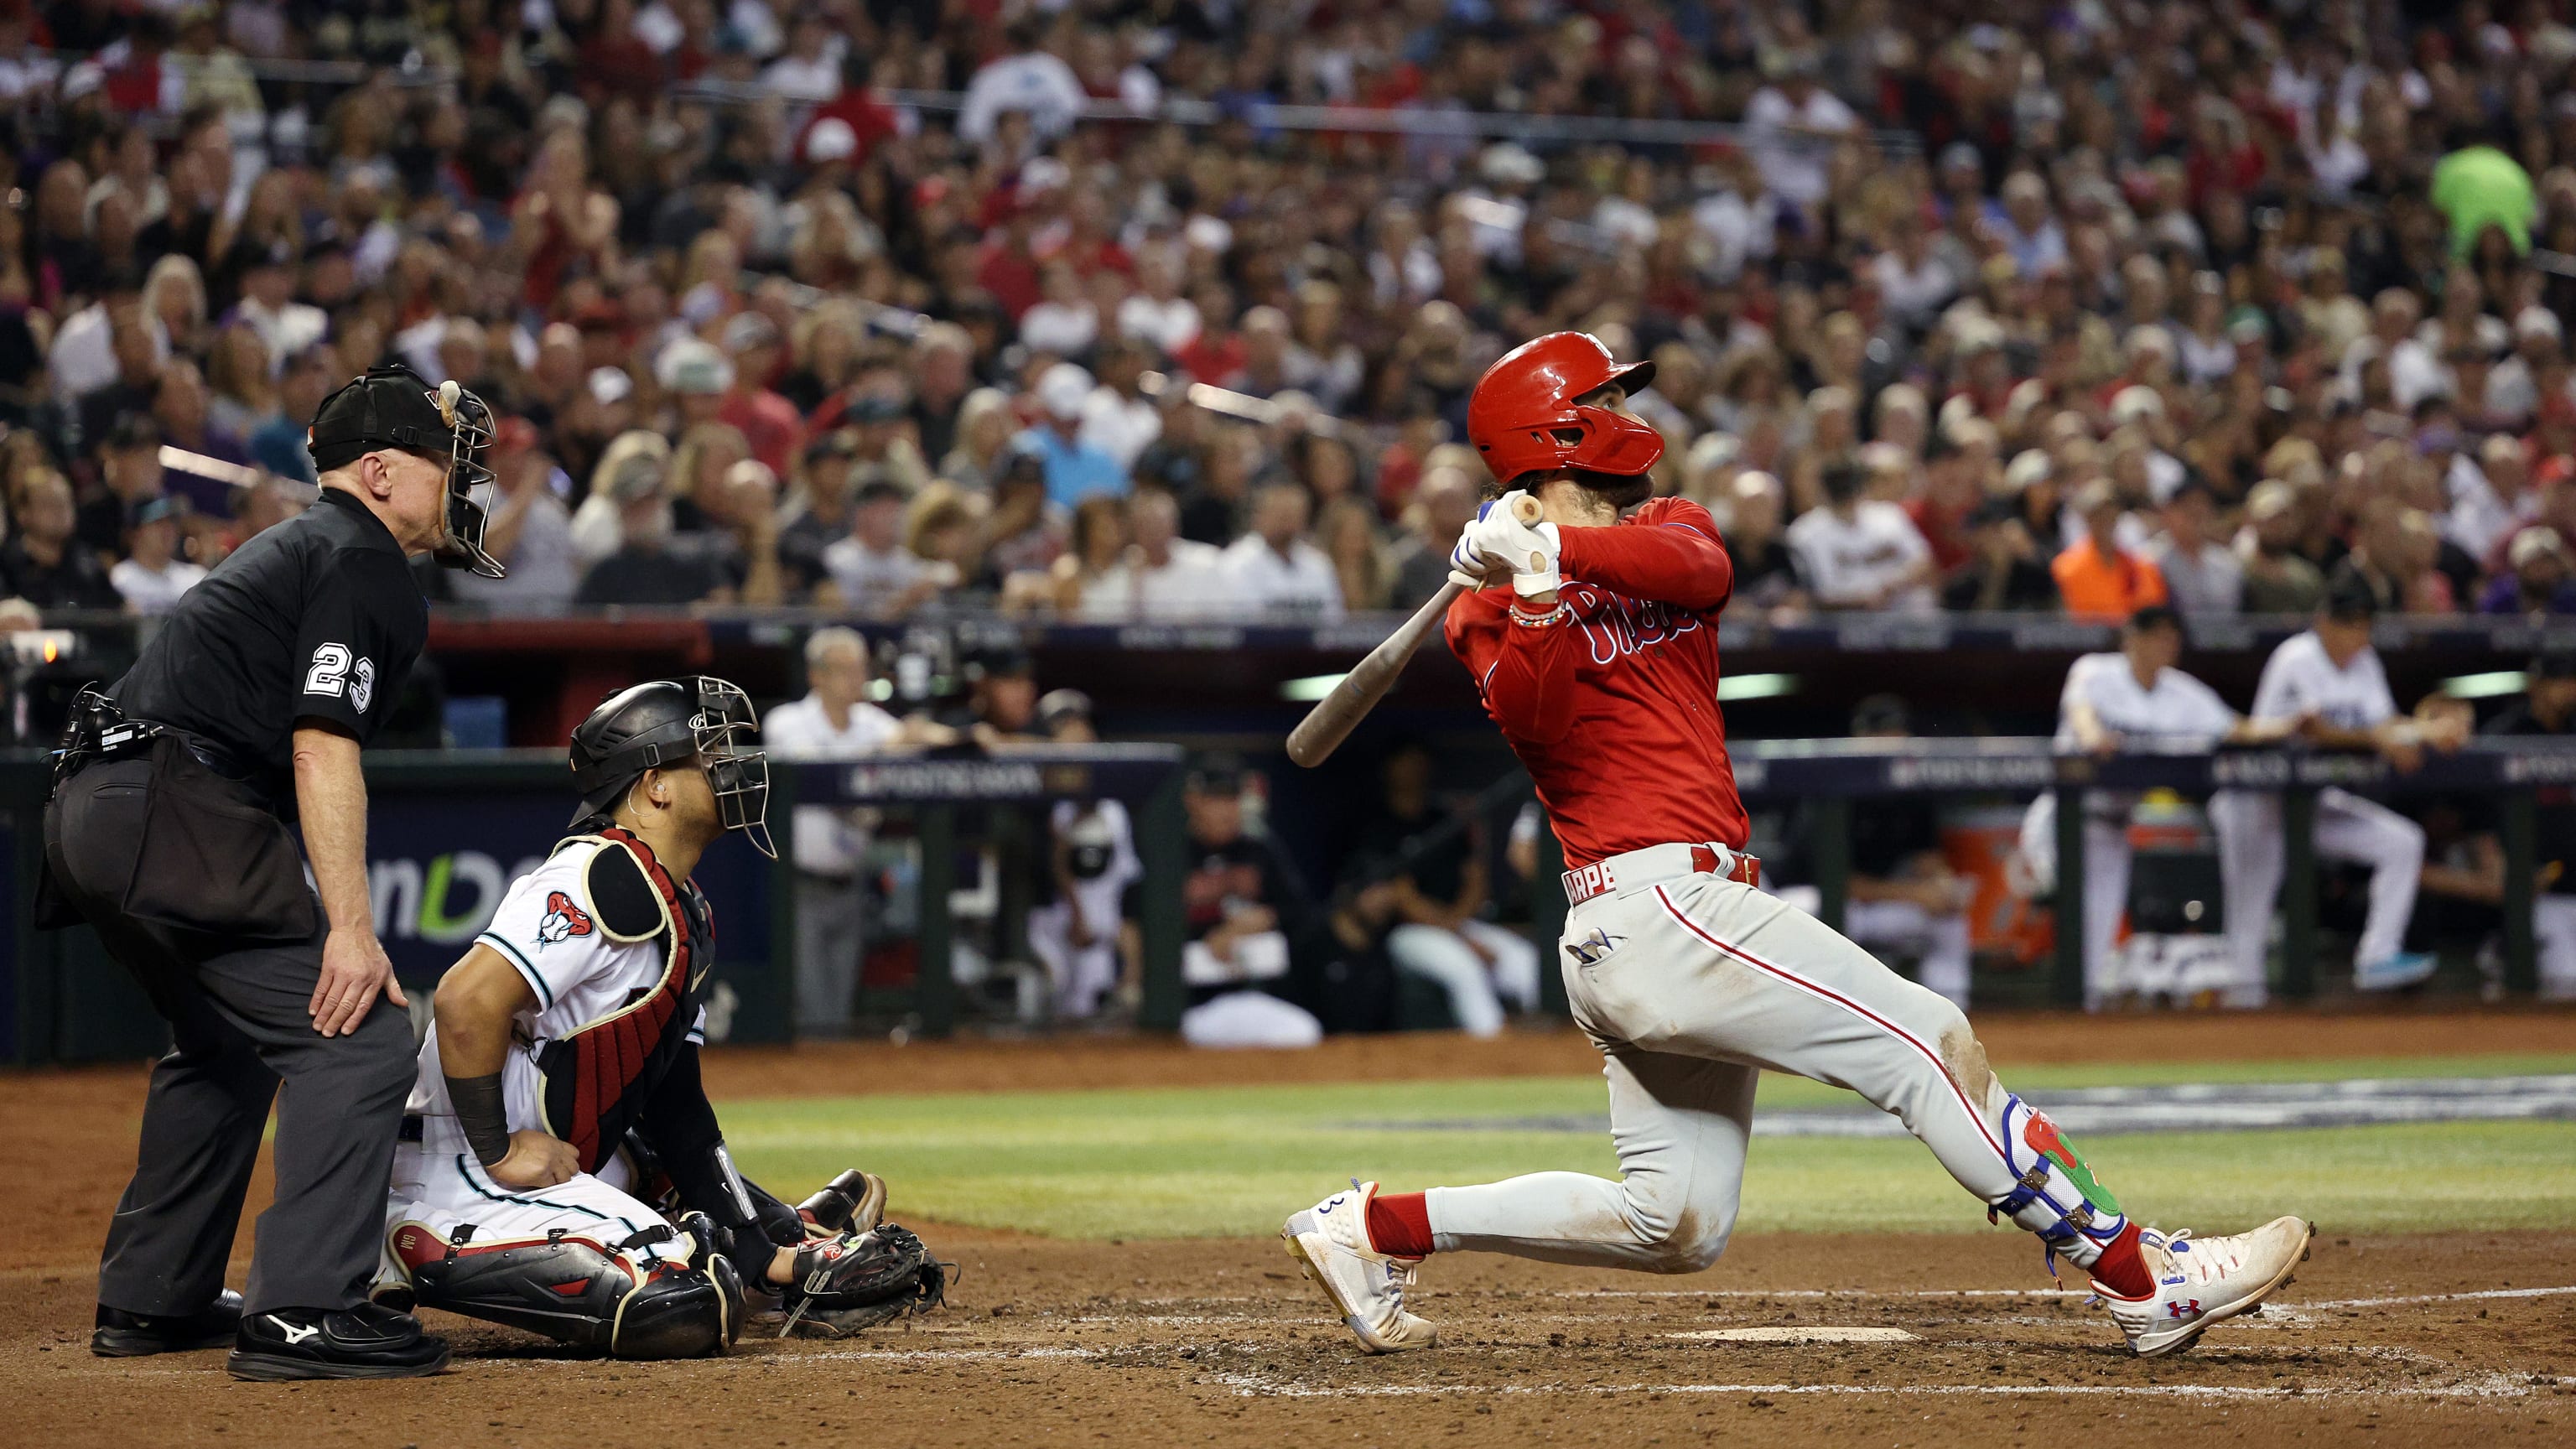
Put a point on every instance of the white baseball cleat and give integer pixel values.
(2201, 1281)
(1331, 1242)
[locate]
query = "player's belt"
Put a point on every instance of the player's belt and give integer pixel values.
(1660, 863)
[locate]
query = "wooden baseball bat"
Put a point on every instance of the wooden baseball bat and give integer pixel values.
(1334, 716)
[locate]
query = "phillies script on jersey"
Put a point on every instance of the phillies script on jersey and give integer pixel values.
(1614, 710)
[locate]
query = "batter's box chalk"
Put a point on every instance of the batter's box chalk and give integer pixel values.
(1821, 1333)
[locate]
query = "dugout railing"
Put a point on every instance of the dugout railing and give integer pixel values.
(1834, 777)
(448, 828)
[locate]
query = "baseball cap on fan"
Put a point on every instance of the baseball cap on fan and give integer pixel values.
(830, 139)
(1062, 390)
(692, 366)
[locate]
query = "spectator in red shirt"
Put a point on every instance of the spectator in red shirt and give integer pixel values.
(1950, 493)
(869, 120)
(769, 421)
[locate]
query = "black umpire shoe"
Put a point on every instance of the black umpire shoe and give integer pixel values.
(131, 1335)
(365, 1342)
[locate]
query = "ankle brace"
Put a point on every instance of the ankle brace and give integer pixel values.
(2056, 1196)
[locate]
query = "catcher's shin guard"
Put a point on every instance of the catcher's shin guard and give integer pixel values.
(658, 1294)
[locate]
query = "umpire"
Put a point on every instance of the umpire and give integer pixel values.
(168, 833)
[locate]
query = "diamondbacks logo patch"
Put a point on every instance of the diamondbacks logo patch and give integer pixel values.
(563, 921)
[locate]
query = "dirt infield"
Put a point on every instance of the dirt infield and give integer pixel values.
(2381, 1340)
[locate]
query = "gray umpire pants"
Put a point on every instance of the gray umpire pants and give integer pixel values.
(239, 1029)
(831, 920)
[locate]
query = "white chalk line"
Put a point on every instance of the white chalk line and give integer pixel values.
(2486, 1386)
(1866, 1294)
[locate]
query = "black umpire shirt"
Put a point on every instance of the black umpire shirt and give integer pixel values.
(316, 618)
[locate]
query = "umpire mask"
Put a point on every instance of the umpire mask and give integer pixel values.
(650, 726)
(393, 407)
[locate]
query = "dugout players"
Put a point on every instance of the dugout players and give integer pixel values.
(2548, 710)
(2134, 701)
(2330, 677)
(167, 833)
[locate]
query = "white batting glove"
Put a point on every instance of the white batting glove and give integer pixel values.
(1481, 544)
(1533, 552)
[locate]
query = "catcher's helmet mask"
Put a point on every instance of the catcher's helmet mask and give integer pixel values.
(1528, 415)
(663, 723)
(393, 407)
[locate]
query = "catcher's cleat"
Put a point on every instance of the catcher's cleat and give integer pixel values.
(853, 1202)
(2202, 1281)
(1331, 1242)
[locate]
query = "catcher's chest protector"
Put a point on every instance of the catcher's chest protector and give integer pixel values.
(594, 1079)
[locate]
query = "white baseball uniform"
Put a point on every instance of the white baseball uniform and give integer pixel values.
(1106, 840)
(544, 928)
(2299, 678)
(2176, 712)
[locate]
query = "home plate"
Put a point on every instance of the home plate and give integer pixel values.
(1778, 1333)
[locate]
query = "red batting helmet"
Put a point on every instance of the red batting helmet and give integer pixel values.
(1523, 419)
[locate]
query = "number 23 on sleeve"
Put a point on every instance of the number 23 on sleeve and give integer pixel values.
(336, 674)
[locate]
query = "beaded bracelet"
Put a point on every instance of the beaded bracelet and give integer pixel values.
(1562, 612)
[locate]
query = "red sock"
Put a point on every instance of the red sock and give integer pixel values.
(2120, 1269)
(1399, 1224)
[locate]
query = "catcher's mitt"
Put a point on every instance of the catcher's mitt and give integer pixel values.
(860, 1280)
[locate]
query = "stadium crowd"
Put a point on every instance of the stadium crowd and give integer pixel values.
(1109, 310)
(2012, 306)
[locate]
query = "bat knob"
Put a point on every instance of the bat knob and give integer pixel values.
(1527, 511)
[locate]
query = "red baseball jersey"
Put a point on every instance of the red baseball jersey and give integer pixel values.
(1614, 709)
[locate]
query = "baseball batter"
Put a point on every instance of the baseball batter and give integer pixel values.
(561, 1079)
(1598, 657)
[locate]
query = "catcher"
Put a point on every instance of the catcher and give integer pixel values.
(560, 1168)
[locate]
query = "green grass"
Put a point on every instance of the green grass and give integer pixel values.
(1234, 1161)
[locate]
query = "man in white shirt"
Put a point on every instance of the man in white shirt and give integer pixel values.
(2489, 498)
(2203, 577)
(834, 721)
(84, 359)
(1862, 553)
(2329, 683)
(1117, 417)
(1170, 577)
(872, 569)
(1028, 80)
(1794, 125)
(1274, 572)
(810, 72)
(152, 576)
(530, 531)
(1156, 312)
(2136, 702)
